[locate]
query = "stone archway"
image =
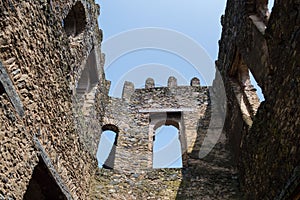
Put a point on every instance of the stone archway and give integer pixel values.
(174, 119)
(112, 131)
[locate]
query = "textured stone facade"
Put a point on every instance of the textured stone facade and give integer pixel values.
(148, 109)
(137, 115)
(45, 48)
(54, 106)
(265, 139)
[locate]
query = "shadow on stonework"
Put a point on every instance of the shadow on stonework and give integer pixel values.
(212, 177)
(42, 185)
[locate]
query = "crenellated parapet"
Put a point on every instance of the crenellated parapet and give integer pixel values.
(141, 111)
(129, 88)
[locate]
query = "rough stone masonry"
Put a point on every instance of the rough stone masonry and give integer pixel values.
(47, 98)
(54, 105)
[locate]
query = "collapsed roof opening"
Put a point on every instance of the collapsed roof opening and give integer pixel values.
(75, 22)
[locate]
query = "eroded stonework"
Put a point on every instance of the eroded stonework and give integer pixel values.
(44, 56)
(265, 139)
(137, 115)
(54, 106)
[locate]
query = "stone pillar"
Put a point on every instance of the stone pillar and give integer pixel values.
(172, 81)
(150, 146)
(195, 82)
(183, 143)
(149, 83)
(128, 90)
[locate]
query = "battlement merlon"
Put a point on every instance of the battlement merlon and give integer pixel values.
(129, 88)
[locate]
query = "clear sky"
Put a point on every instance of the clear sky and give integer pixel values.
(167, 148)
(105, 145)
(197, 20)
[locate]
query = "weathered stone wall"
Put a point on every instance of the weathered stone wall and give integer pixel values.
(138, 110)
(266, 143)
(54, 102)
(44, 60)
(213, 177)
(137, 115)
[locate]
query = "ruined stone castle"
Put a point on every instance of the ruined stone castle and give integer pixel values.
(54, 106)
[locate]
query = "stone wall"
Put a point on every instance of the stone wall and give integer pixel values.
(136, 115)
(54, 102)
(145, 109)
(265, 139)
(44, 54)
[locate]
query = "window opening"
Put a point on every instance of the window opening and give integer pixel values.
(75, 21)
(167, 147)
(89, 77)
(107, 147)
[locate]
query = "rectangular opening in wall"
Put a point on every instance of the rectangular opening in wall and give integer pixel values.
(42, 185)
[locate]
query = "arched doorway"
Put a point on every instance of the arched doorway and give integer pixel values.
(167, 146)
(107, 146)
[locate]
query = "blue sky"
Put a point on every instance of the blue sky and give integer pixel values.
(196, 19)
(105, 145)
(166, 147)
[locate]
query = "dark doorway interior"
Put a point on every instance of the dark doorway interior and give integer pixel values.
(42, 185)
(2, 90)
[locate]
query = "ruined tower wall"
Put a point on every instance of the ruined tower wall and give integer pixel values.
(266, 142)
(42, 57)
(136, 110)
(137, 115)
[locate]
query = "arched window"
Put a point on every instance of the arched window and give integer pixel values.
(75, 22)
(166, 146)
(107, 146)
